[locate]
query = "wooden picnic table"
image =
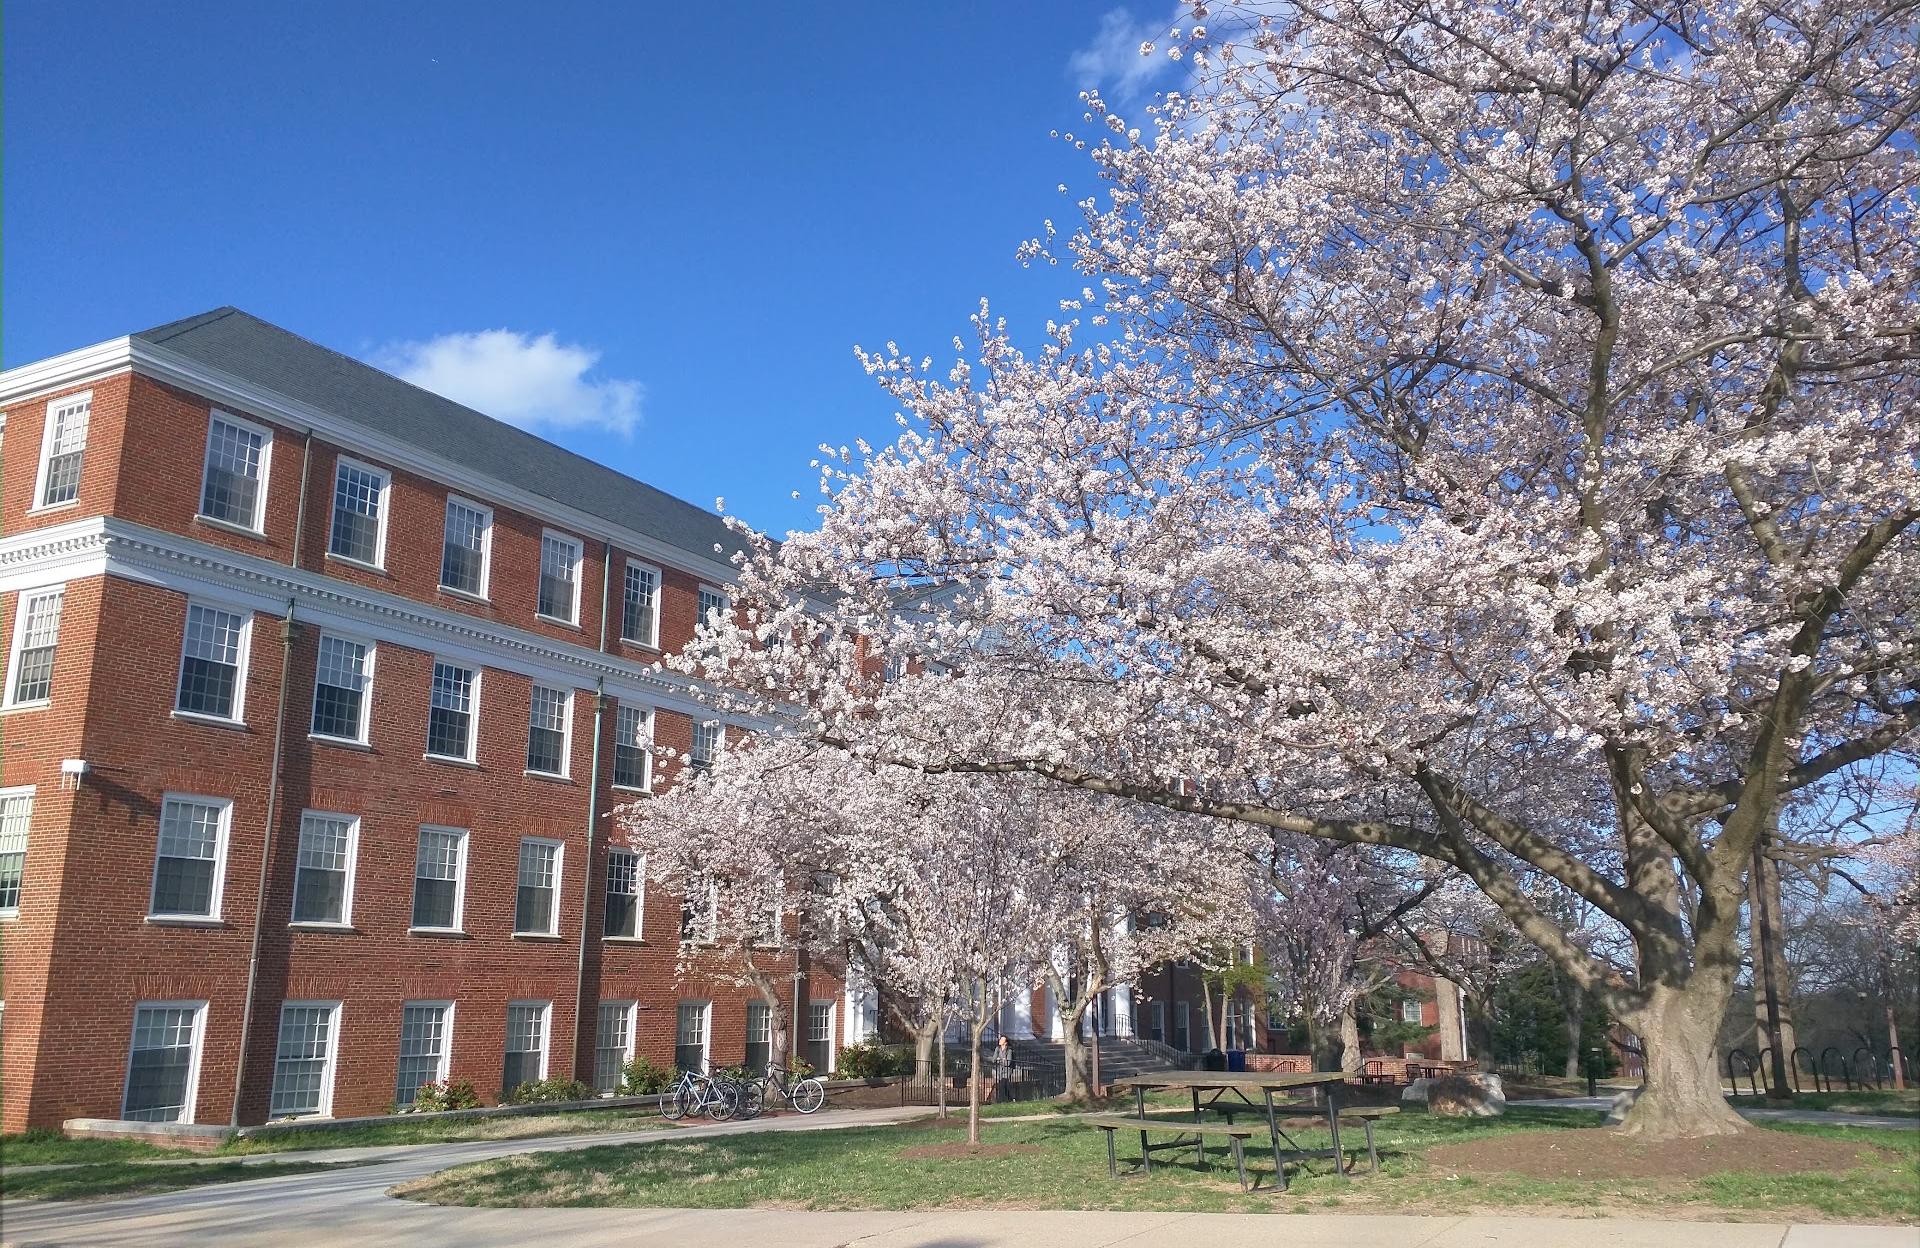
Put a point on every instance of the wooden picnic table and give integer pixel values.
(1239, 1084)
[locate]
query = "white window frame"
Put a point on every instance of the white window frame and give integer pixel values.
(379, 563)
(20, 602)
(1413, 1010)
(646, 750)
(222, 839)
(726, 604)
(639, 899)
(706, 1029)
(473, 711)
(372, 648)
(191, 1105)
(239, 716)
(445, 1064)
(46, 451)
(546, 1035)
(579, 574)
(486, 549)
(26, 791)
(833, 1017)
(719, 744)
(559, 877)
(566, 730)
(652, 640)
(632, 1011)
(353, 862)
(325, 1108)
(258, 526)
(465, 835)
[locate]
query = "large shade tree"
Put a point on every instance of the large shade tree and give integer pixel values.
(1487, 433)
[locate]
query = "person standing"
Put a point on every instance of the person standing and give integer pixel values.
(1003, 1070)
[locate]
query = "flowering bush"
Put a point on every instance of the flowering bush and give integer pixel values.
(442, 1094)
(537, 1091)
(645, 1077)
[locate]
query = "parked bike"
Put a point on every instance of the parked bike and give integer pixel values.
(696, 1093)
(805, 1095)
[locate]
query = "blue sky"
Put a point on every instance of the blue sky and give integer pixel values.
(653, 233)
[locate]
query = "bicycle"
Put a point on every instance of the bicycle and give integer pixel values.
(697, 1093)
(752, 1096)
(804, 1095)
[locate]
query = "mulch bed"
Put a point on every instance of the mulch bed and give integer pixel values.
(1597, 1154)
(963, 1151)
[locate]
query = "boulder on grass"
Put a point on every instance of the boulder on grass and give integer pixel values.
(1416, 1091)
(1466, 1096)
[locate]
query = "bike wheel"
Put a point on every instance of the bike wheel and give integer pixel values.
(673, 1106)
(753, 1101)
(723, 1103)
(808, 1095)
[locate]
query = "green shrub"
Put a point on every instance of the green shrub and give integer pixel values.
(644, 1077)
(541, 1091)
(441, 1095)
(872, 1061)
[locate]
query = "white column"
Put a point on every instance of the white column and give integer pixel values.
(1123, 1011)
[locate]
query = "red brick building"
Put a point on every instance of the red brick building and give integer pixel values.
(319, 691)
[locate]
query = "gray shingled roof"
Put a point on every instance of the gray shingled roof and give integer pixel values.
(268, 356)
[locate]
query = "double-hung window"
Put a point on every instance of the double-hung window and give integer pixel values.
(625, 872)
(62, 445)
(191, 857)
(1410, 1011)
(439, 879)
(36, 633)
(633, 747)
(759, 1036)
(612, 1046)
(426, 1041)
(213, 658)
(559, 597)
(526, 1058)
(690, 1035)
(303, 1063)
(463, 554)
(163, 1068)
(323, 874)
(708, 735)
(450, 711)
(343, 674)
(715, 606)
(16, 813)
(549, 716)
(535, 904)
(359, 530)
(640, 614)
(820, 1035)
(233, 489)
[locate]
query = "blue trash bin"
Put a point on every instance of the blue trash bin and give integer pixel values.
(1237, 1060)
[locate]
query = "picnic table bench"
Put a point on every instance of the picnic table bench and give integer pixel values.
(1362, 1116)
(1113, 1124)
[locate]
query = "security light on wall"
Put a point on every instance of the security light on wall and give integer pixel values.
(71, 772)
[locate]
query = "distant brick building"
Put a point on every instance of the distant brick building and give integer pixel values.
(319, 690)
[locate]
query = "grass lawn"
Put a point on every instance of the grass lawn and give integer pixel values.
(50, 1148)
(132, 1178)
(447, 1130)
(1905, 1104)
(1059, 1165)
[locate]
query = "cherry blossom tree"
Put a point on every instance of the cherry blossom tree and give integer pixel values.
(1486, 432)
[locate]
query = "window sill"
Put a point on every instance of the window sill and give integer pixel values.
(651, 647)
(554, 619)
(557, 777)
(642, 791)
(8, 916)
(315, 925)
(624, 940)
(38, 705)
(554, 937)
(44, 508)
(450, 761)
(211, 721)
(229, 526)
(186, 920)
(445, 933)
(465, 595)
(361, 564)
(340, 743)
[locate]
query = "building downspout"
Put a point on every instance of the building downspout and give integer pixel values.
(273, 797)
(593, 813)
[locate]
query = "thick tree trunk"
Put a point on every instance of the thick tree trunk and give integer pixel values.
(1351, 1059)
(1574, 1001)
(1208, 1036)
(1323, 1039)
(923, 1038)
(1682, 1098)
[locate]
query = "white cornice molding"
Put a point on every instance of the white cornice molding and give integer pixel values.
(114, 547)
(219, 386)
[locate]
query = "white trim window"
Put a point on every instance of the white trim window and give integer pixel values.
(303, 1062)
(426, 1044)
(709, 738)
(640, 605)
(36, 635)
(358, 533)
(465, 548)
(626, 899)
(16, 816)
(526, 1055)
(559, 597)
(549, 727)
(323, 870)
(713, 602)
(692, 1032)
(1410, 1011)
(190, 857)
(536, 900)
(820, 1036)
(633, 748)
(342, 680)
(451, 706)
(439, 879)
(613, 1045)
(759, 1037)
(213, 662)
(233, 485)
(63, 444)
(163, 1061)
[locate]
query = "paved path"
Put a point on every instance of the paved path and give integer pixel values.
(349, 1208)
(1827, 1116)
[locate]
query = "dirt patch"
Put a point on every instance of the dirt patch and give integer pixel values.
(959, 1152)
(1595, 1154)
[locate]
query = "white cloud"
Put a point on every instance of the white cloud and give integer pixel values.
(531, 381)
(1113, 61)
